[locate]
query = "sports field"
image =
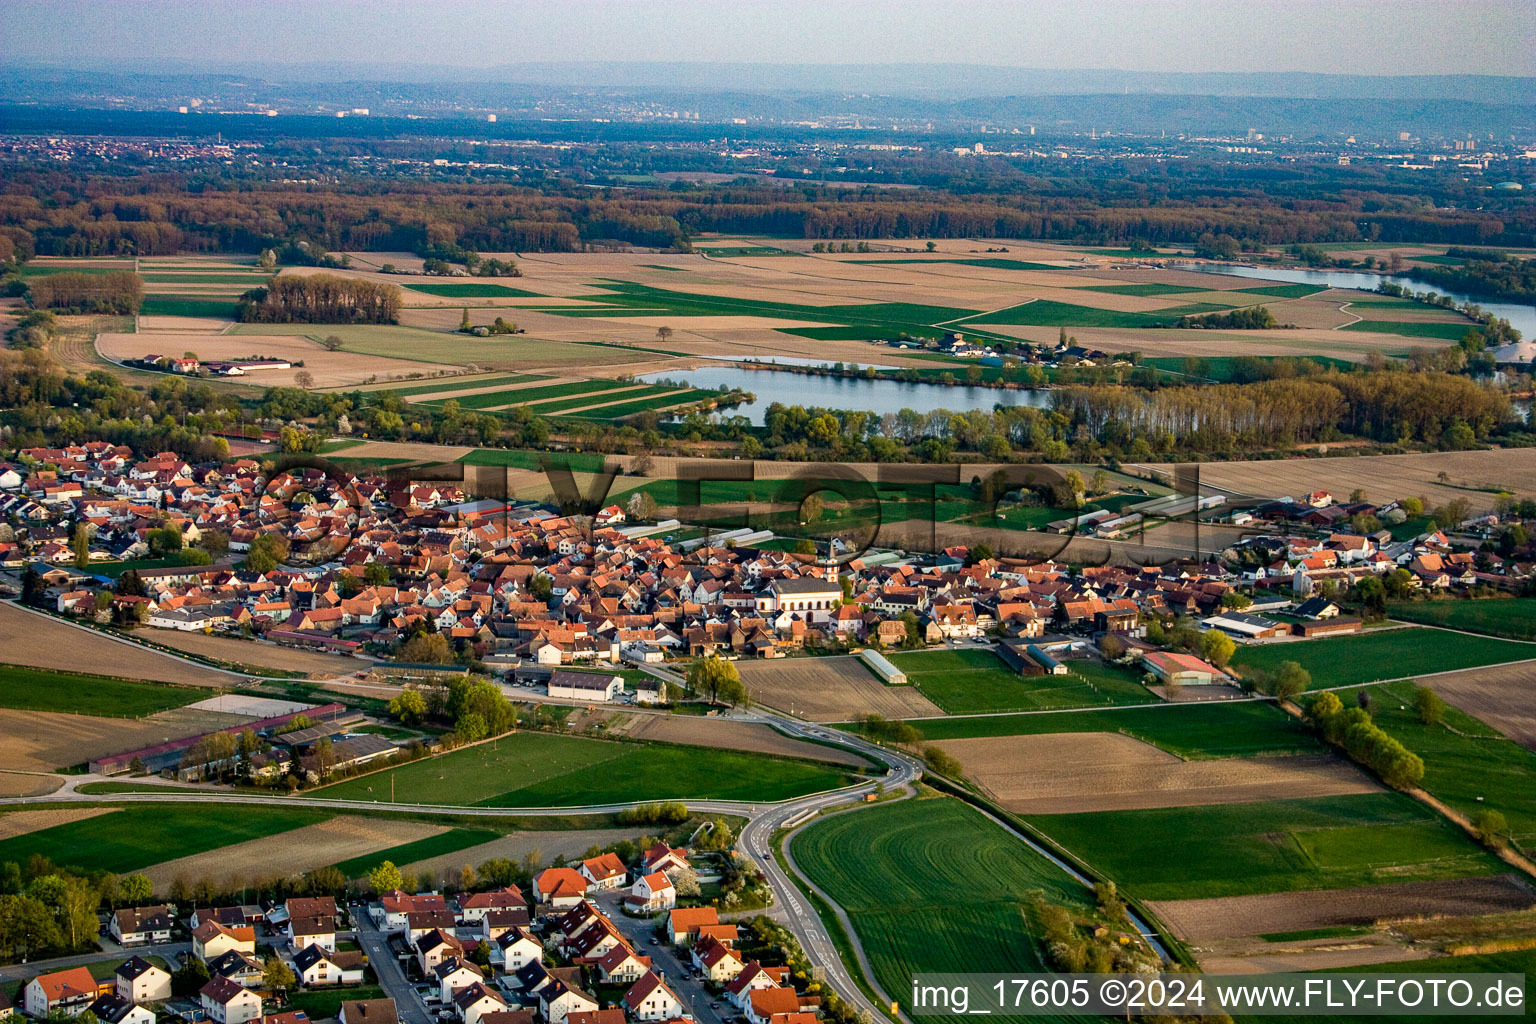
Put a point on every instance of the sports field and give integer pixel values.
(968, 681)
(1383, 654)
(35, 689)
(1275, 846)
(931, 885)
(533, 769)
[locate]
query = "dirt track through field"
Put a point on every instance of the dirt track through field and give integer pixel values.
(295, 852)
(1068, 773)
(41, 741)
(1235, 916)
(28, 638)
(1504, 696)
(19, 823)
(713, 732)
(831, 690)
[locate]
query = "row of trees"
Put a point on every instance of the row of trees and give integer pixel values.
(321, 299)
(1365, 741)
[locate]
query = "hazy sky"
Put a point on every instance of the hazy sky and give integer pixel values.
(1343, 36)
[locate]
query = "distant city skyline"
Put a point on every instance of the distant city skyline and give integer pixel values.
(1379, 37)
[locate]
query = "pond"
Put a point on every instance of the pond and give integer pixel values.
(1521, 317)
(880, 396)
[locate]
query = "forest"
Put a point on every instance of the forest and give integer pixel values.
(321, 299)
(63, 212)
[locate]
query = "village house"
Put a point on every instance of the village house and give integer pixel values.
(651, 893)
(62, 992)
(683, 924)
(140, 981)
(474, 1002)
(212, 939)
(227, 1002)
(368, 1011)
(650, 999)
(559, 887)
(139, 926)
(317, 966)
(605, 871)
(114, 1009)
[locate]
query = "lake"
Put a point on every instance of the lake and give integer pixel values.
(880, 396)
(1521, 317)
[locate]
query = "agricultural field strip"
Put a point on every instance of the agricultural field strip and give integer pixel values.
(527, 395)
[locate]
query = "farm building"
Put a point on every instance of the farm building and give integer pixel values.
(1338, 625)
(1029, 659)
(1182, 669)
(585, 686)
(1245, 627)
(881, 666)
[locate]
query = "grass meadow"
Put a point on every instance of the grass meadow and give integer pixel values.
(1274, 846)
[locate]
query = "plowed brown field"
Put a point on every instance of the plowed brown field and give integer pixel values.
(1066, 773)
(831, 690)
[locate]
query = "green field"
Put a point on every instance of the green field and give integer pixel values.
(1143, 289)
(1415, 328)
(728, 251)
(1513, 617)
(517, 458)
(667, 399)
(990, 263)
(625, 298)
(858, 333)
(969, 681)
(1285, 291)
(1464, 759)
(35, 689)
(1274, 846)
(143, 834)
(1048, 313)
(178, 305)
(473, 291)
(528, 396)
(1383, 654)
(95, 267)
(931, 885)
(1191, 731)
(451, 841)
(606, 396)
(1221, 368)
(533, 769)
(251, 280)
(464, 384)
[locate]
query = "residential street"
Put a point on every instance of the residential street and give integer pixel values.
(671, 964)
(110, 951)
(392, 979)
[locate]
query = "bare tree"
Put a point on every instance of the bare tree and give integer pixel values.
(304, 379)
(663, 333)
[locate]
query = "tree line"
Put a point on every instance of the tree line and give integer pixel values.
(64, 213)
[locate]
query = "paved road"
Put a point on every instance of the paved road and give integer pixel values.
(408, 1002)
(671, 963)
(797, 913)
(110, 951)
